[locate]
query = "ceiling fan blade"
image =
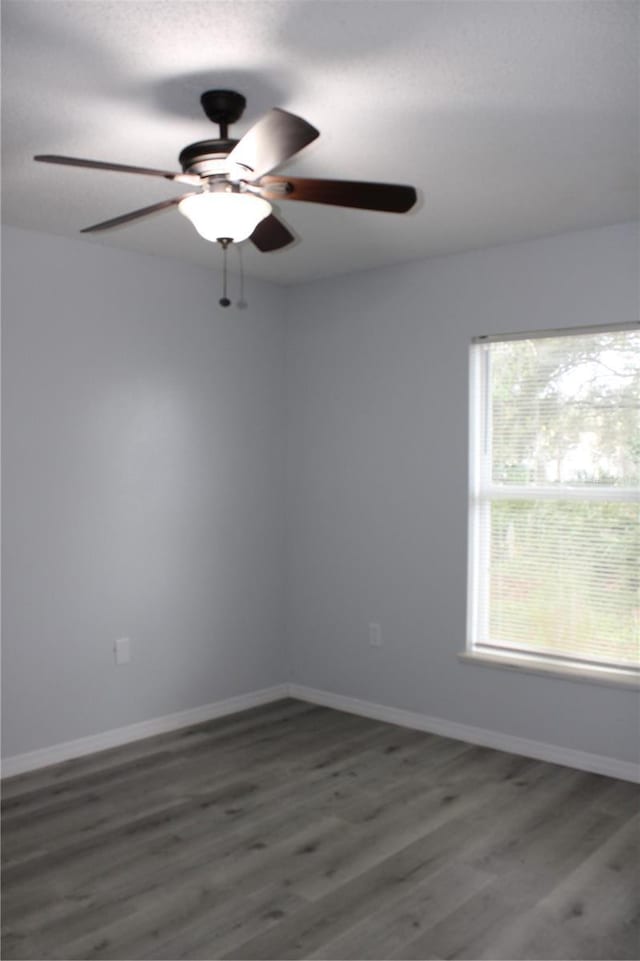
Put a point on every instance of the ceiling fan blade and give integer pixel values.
(272, 140)
(393, 198)
(134, 215)
(271, 234)
(119, 168)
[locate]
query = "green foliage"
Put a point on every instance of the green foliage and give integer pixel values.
(565, 577)
(567, 408)
(565, 574)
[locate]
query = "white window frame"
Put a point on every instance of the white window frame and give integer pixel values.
(483, 491)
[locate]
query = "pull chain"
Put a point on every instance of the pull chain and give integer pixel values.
(241, 301)
(224, 243)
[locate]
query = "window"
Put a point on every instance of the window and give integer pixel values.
(555, 500)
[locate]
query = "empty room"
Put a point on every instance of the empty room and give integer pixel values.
(320, 479)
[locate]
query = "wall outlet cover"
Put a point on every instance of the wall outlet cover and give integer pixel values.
(122, 650)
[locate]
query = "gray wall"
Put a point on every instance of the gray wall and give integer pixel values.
(377, 479)
(144, 484)
(143, 488)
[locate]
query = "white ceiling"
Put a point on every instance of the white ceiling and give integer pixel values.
(513, 119)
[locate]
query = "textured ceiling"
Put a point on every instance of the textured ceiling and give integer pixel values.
(513, 119)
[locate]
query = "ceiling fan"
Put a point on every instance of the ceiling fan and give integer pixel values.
(231, 202)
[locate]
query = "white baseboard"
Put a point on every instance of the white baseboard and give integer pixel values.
(20, 763)
(595, 763)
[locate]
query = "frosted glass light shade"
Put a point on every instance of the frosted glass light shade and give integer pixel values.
(232, 215)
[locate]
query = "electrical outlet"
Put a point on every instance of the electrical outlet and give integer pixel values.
(122, 650)
(375, 635)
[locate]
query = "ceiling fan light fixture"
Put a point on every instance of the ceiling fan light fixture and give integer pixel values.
(225, 215)
(234, 176)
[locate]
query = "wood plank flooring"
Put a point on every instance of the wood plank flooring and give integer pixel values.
(294, 831)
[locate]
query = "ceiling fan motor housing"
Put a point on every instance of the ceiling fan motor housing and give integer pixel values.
(204, 156)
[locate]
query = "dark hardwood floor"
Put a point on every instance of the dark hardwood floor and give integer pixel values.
(293, 831)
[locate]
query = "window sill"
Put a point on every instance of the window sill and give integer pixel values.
(534, 665)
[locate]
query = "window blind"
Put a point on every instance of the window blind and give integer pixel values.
(555, 497)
